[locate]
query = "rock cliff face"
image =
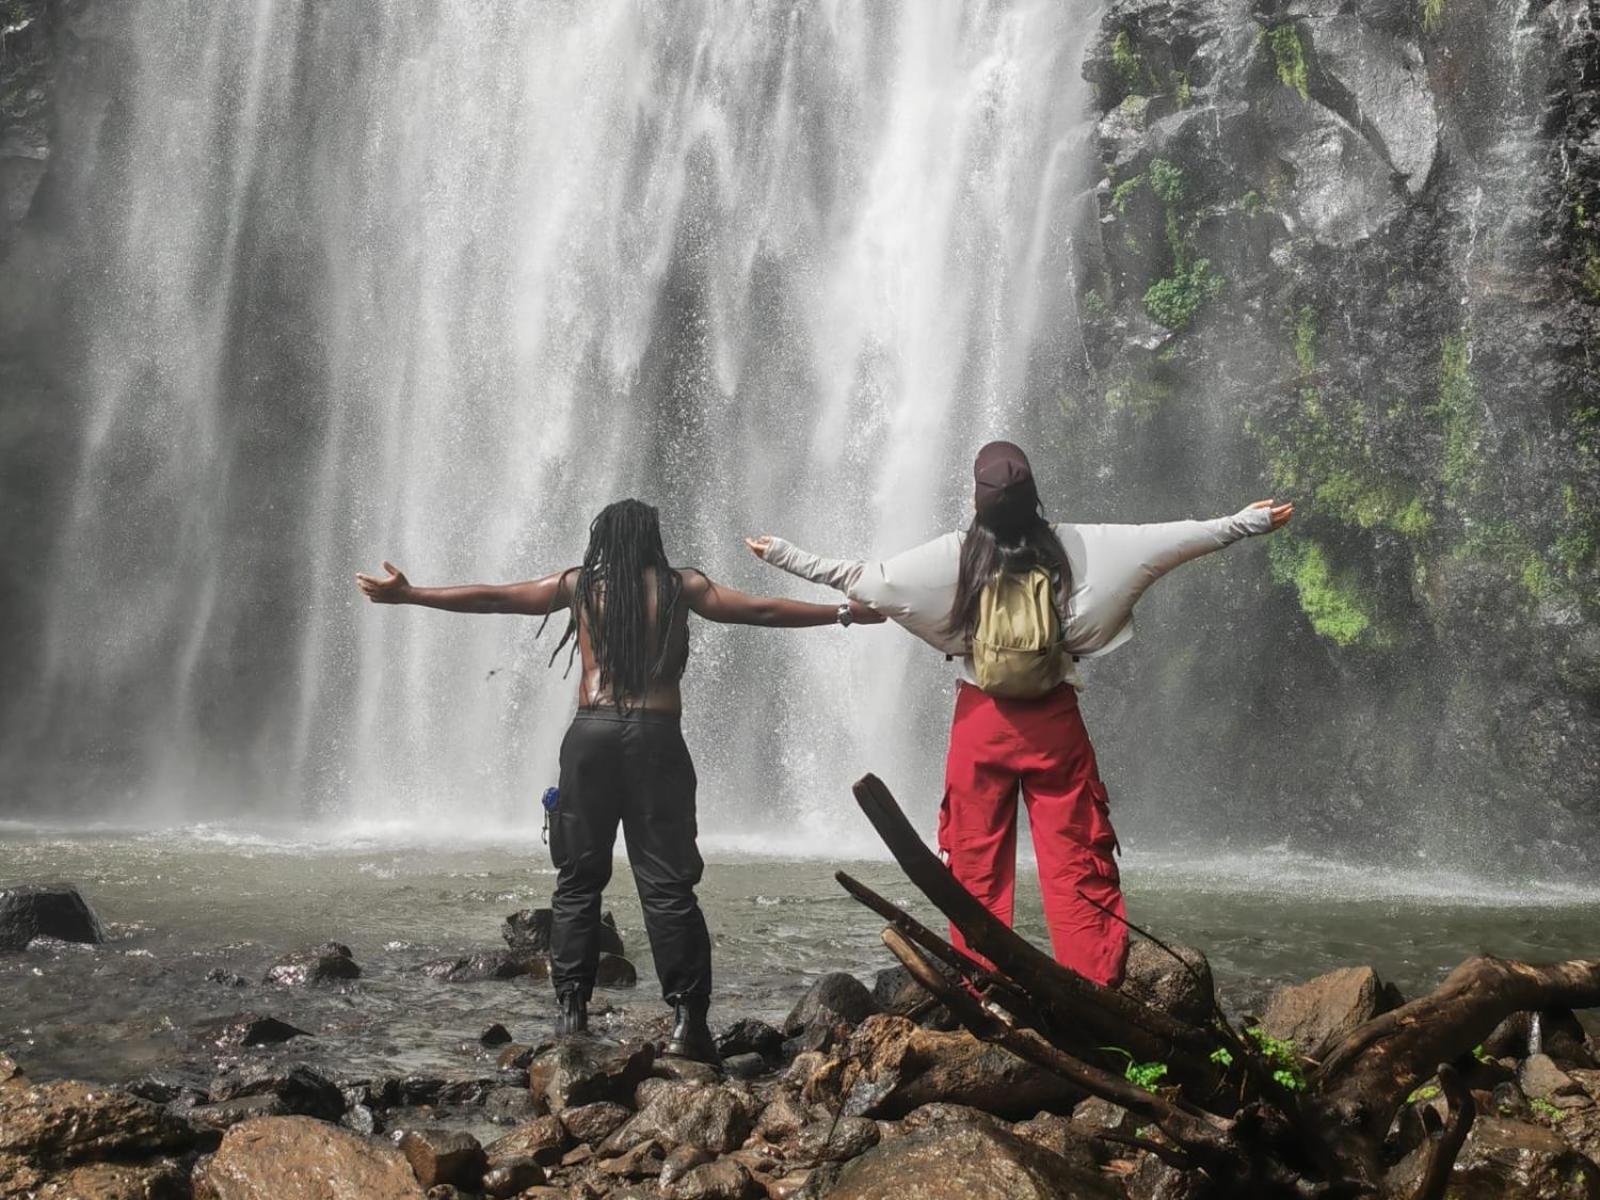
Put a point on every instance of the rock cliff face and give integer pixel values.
(1349, 247)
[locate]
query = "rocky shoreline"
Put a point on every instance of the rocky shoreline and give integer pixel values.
(860, 1092)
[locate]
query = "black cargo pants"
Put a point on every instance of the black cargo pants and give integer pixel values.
(631, 768)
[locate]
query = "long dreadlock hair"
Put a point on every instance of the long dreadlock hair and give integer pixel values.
(609, 597)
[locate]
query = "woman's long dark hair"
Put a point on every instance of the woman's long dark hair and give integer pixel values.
(609, 597)
(1009, 535)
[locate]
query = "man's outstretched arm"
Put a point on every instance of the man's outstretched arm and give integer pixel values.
(729, 606)
(534, 597)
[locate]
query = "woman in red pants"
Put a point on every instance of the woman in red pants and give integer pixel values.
(1008, 738)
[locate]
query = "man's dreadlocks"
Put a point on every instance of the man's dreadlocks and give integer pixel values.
(609, 597)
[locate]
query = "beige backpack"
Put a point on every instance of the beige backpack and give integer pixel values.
(1018, 650)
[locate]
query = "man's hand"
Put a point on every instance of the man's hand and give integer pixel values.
(864, 614)
(1280, 512)
(759, 545)
(396, 589)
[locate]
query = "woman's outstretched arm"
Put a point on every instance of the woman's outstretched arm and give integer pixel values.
(535, 597)
(728, 606)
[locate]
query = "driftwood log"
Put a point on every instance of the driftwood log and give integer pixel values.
(1245, 1126)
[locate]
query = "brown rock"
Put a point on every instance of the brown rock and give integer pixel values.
(512, 1177)
(714, 1118)
(724, 1179)
(543, 1140)
(834, 999)
(594, 1123)
(1541, 1079)
(1061, 1136)
(836, 1141)
(66, 1122)
(1511, 1160)
(443, 1156)
(163, 1179)
(1183, 989)
(18, 1176)
(8, 1069)
(966, 1162)
(783, 1117)
(941, 1113)
(299, 1158)
(1328, 1006)
(640, 1162)
(680, 1162)
(890, 1066)
(579, 1071)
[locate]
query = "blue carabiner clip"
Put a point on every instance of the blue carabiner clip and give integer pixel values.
(552, 799)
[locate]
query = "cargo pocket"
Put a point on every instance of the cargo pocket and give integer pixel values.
(1102, 837)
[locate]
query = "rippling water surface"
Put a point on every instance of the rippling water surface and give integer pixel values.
(179, 905)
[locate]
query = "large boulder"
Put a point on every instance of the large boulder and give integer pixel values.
(967, 1162)
(891, 1066)
(717, 1119)
(581, 1071)
(30, 910)
(297, 1158)
(330, 962)
(835, 999)
(1329, 1006)
(62, 1123)
(1181, 988)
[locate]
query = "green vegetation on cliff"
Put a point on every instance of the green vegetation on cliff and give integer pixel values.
(1289, 56)
(1175, 299)
(1337, 609)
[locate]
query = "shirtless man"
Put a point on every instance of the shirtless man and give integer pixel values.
(623, 758)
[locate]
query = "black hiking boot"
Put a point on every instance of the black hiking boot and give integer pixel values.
(572, 1013)
(691, 1036)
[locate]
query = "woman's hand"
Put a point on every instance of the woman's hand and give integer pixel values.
(865, 614)
(759, 545)
(1280, 512)
(396, 589)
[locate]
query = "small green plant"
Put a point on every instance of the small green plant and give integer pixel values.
(1127, 61)
(1175, 300)
(1428, 1091)
(1094, 304)
(1545, 1109)
(1282, 1057)
(1123, 192)
(1183, 93)
(1482, 1055)
(1289, 55)
(1166, 181)
(1251, 201)
(1458, 411)
(1222, 1056)
(1139, 398)
(1145, 1075)
(1432, 15)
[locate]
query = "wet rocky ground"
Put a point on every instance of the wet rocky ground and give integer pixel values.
(862, 1090)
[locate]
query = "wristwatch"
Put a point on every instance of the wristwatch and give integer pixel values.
(844, 615)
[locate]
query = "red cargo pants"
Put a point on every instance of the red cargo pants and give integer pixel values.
(1041, 746)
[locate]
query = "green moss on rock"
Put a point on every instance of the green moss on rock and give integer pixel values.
(1335, 607)
(1289, 56)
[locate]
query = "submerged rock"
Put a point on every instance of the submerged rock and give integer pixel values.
(486, 965)
(330, 962)
(967, 1162)
(30, 910)
(297, 1158)
(1329, 1006)
(248, 1029)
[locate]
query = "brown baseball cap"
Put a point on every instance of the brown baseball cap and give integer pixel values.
(1002, 471)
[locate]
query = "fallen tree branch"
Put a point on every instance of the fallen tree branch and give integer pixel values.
(1447, 1146)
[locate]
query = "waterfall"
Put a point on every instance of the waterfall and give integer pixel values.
(434, 280)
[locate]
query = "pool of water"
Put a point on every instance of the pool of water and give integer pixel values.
(178, 905)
